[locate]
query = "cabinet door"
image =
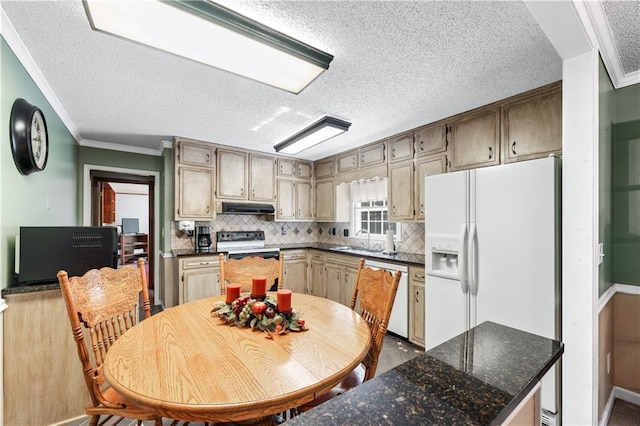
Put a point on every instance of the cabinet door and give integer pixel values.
(373, 154)
(426, 166)
(532, 127)
(200, 283)
(194, 153)
(333, 282)
(325, 200)
(303, 170)
(474, 140)
(304, 201)
(325, 168)
(317, 278)
(285, 201)
(295, 275)
(401, 148)
(262, 175)
(416, 313)
(431, 139)
(350, 277)
(108, 204)
(286, 167)
(232, 174)
(194, 189)
(401, 191)
(347, 161)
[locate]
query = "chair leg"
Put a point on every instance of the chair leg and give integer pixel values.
(94, 420)
(157, 422)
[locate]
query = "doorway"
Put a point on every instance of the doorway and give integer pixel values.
(126, 201)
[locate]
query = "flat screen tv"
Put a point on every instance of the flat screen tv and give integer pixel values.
(130, 225)
(42, 251)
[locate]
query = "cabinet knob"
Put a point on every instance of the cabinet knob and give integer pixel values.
(241, 191)
(513, 148)
(421, 208)
(393, 153)
(253, 192)
(421, 145)
(490, 153)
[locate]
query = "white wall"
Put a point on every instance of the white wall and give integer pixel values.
(133, 205)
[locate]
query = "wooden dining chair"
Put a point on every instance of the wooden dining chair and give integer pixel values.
(375, 290)
(103, 304)
(242, 271)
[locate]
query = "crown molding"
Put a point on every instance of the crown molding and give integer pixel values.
(604, 38)
(18, 47)
(123, 148)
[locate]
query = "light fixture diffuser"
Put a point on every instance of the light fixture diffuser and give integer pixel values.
(320, 131)
(214, 35)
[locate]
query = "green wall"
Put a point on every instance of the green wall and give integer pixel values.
(40, 199)
(626, 186)
(606, 121)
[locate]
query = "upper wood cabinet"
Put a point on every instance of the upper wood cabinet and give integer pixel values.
(294, 201)
(294, 168)
(194, 153)
(285, 201)
(236, 168)
(401, 148)
(431, 139)
(262, 178)
(325, 168)
(400, 192)
(426, 166)
(325, 200)
(232, 174)
(194, 180)
(474, 139)
(347, 161)
(108, 204)
(371, 155)
(304, 200)
(532, 125)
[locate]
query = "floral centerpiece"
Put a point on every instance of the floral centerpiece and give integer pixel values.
(260, 312)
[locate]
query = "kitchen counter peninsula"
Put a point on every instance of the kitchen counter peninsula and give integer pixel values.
(480, 377)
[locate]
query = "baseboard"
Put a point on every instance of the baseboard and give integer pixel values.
(619, 393)
(70, 421)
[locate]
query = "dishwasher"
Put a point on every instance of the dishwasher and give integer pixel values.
(399, 320)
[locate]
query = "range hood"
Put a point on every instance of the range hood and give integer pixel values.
(244, 208)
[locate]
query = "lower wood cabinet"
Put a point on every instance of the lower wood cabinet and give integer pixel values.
(341, 273)
(43, 380)
(198, 277)
(316, 286)
(416, 305)
(294, 276)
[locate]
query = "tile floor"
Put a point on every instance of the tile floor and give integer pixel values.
(624, 414)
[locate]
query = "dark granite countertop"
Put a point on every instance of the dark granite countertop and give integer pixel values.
(477, 378)
(404, 258)
(29, 288)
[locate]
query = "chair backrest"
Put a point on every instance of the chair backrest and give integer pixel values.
(105, 302)
(242, 271)
(376, 291)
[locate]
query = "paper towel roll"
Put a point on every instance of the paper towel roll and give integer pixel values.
(389, 245)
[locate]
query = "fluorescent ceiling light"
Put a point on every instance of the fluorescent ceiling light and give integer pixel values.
(213, 35)
(319, 131)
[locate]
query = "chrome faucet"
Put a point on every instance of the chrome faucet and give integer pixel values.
(368, 237)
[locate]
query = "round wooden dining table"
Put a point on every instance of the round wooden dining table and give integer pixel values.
(187, 364)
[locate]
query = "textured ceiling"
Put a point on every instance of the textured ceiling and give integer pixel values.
(398, 65)
(624, 21)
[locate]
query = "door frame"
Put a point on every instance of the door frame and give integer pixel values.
(86, 211)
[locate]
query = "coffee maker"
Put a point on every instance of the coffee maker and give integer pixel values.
(203, 239)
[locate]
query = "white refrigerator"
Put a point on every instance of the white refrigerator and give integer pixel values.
(493, 254)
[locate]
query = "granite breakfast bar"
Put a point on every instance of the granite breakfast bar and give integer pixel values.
(480, 377)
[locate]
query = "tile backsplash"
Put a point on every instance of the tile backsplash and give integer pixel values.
(298, 232)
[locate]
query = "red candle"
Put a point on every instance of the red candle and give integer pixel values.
(284, 300)
(233, 292)
(259, 286)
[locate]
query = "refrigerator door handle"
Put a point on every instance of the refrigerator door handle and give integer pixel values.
(473, 260)
(462, 259)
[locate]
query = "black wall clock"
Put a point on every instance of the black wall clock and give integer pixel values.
(29, 138)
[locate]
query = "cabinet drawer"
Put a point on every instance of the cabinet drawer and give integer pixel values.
(373, 154)
(197, 262)
(401, 148)
(325, 168)
(348, 161)
(293, 255)
(416, 274)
